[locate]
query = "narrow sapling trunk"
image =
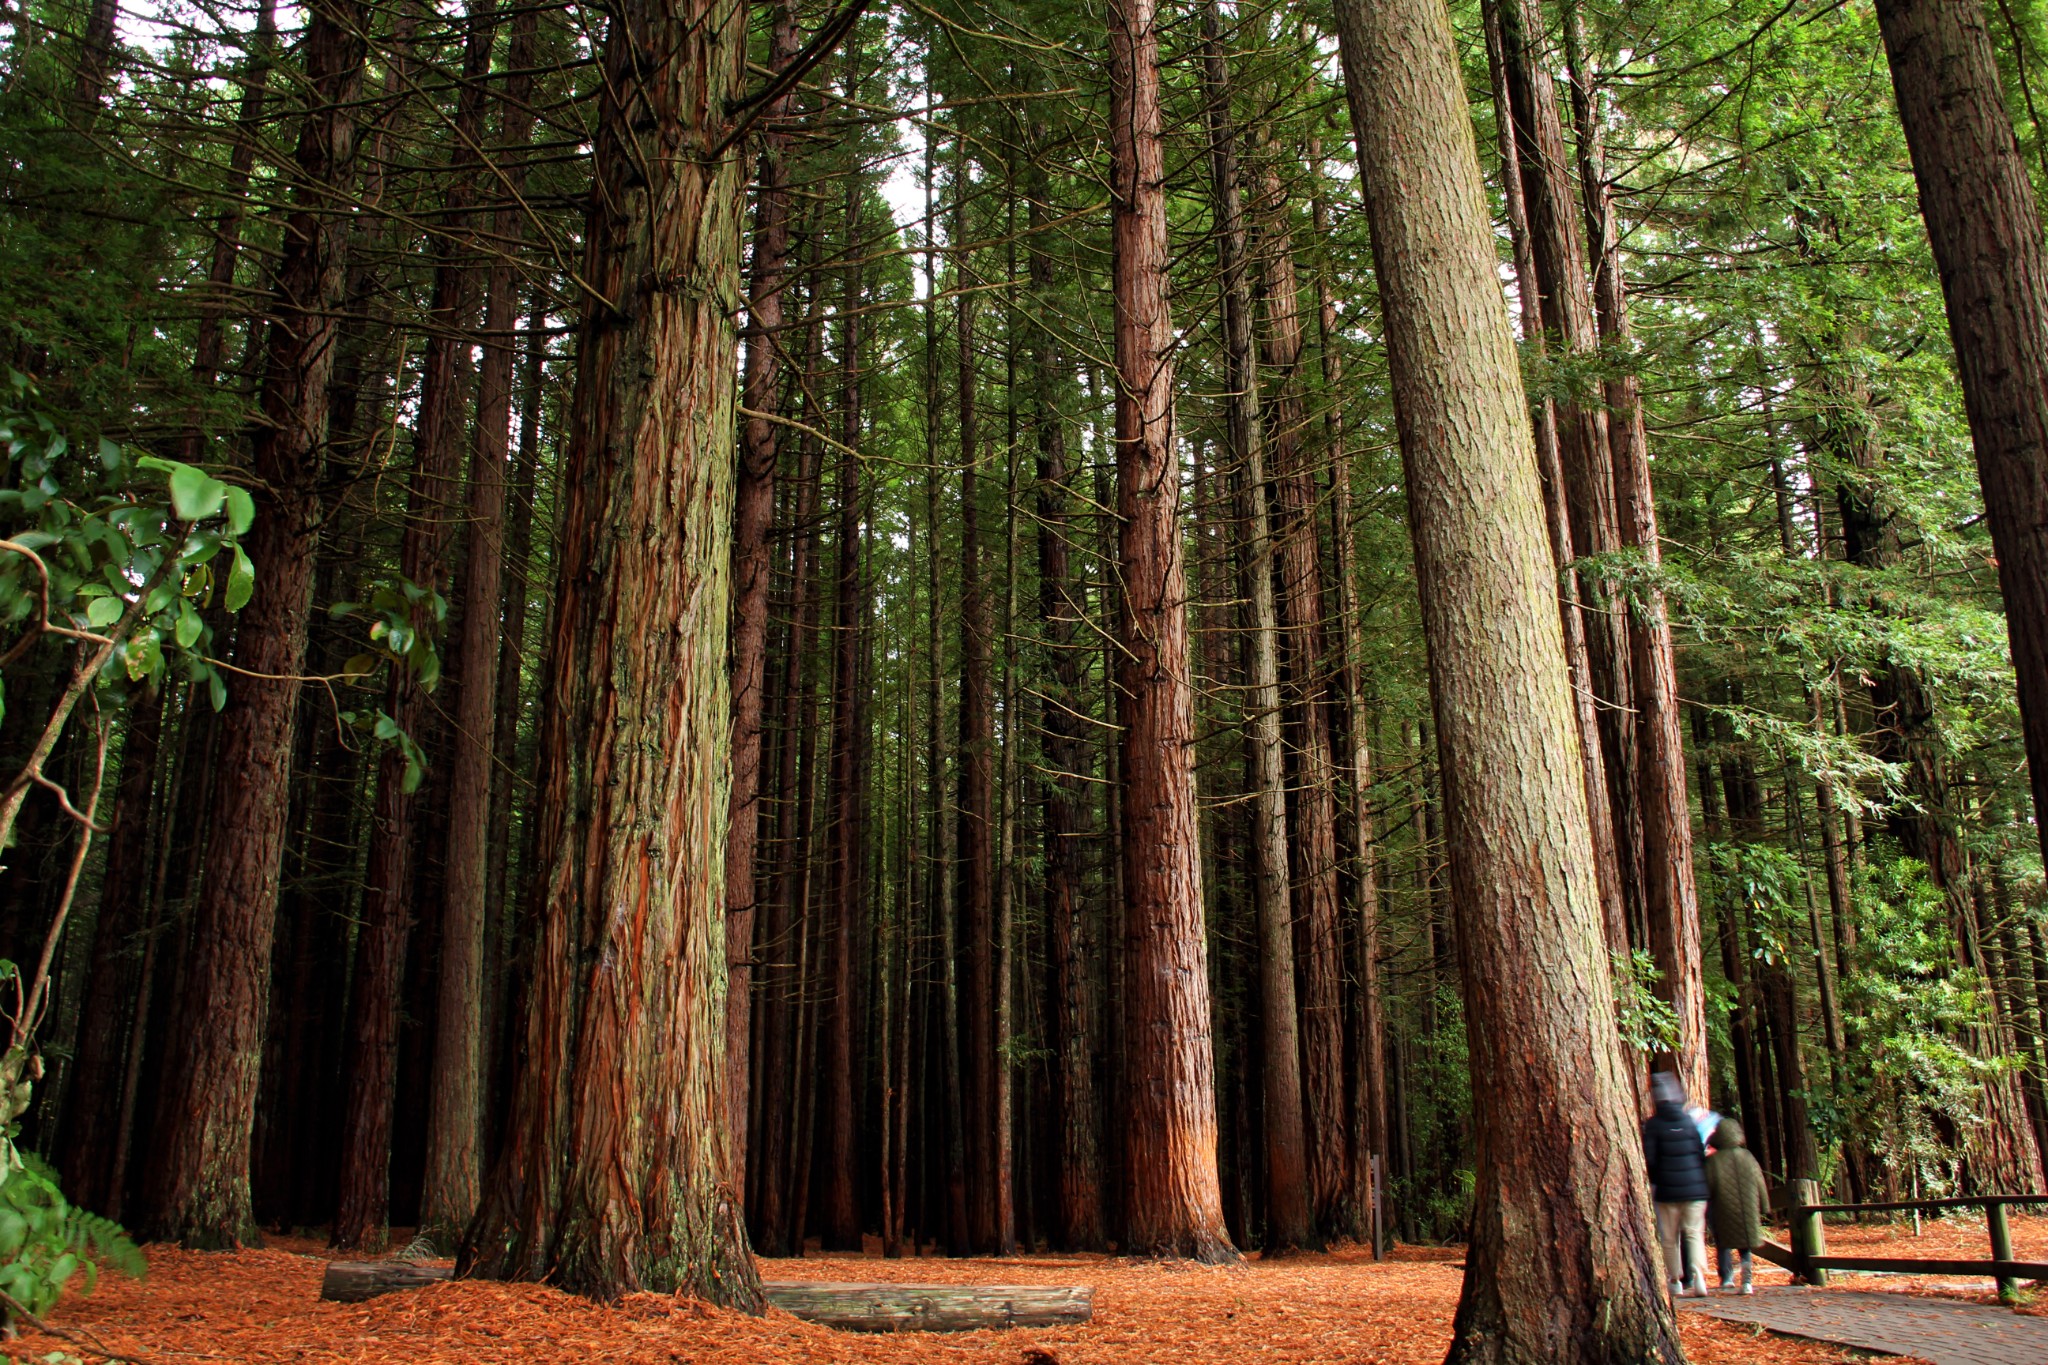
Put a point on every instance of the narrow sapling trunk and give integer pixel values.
(1561, 1266)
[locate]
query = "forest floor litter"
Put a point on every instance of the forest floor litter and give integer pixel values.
(262, 1307)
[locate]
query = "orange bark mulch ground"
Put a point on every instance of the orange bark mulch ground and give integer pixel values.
(262, 1308)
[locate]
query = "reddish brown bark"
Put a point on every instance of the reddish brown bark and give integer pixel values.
(200, 1190)
(1174, 1205)
(613, 1176)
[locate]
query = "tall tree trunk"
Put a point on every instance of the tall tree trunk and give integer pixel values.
(200, 1194)
(1174, 1205)
(613, 1177)
(977, 763)
(1060, 601)
(1369, 1048)
(1585, 455)
(788, 910)
(1289, 1213)
(378, 982)
(1543, 416)
(1986, 232)
(1561, 1265)
(1670, 893)
(1313, 790)
(753, 511)
(454, 1158)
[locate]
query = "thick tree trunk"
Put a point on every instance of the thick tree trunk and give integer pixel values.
(1982, 221)
(454, 1157)
(200, 1194)
(1561, 1265)
(1174, 1205)
(753, 511)
(613, 1177)
(1289, 1213)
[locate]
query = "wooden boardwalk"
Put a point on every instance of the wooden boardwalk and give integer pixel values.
(1945, 1331)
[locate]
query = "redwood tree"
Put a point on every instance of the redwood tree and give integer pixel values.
(1561, 1265)
(1986, 231)
(199, 1193)
(1173, 1203)
(614, 1176)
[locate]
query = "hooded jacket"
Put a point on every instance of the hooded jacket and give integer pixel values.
(1735, 1185)
(1674, 1155)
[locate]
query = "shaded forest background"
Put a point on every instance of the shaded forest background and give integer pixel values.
(926, 882)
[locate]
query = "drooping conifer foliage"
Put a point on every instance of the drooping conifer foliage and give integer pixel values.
(646, 633)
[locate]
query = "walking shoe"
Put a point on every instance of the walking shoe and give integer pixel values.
(1749, 1289)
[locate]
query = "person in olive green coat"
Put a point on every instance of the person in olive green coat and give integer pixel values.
(1737, 1203)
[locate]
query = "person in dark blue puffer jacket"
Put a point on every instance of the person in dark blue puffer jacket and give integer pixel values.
(1677, 1163)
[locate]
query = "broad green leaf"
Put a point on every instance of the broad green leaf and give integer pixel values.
(189, 626)
(195, 495)
(241, 511)
(241, 581)
(104, 611)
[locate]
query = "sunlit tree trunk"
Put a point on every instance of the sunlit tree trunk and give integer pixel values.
(1561, 1265)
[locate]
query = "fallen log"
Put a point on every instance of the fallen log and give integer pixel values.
(901, 1307)
(885, 1307)
(354, 1281)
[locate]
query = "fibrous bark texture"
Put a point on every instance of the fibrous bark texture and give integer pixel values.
(1561, 1265)
(614, 1172)
(1174, 1204)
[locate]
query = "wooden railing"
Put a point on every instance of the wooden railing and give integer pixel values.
(1808, 1259)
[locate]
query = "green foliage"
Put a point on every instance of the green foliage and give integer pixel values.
(1647, 1021)
(46, 1243)
(1910, 1010)
(113, 545)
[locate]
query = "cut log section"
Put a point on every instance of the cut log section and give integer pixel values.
(354, 1281)
(899, 1307)
(851, 1307)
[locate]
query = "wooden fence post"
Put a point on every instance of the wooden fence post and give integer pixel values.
(1809, 1237)
(2001, 1247)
